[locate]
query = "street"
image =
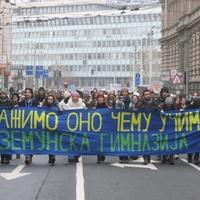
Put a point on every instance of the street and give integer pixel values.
(89, 181)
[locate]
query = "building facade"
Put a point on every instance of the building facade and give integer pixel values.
(86, 45)
(5, 43)
(180, 43)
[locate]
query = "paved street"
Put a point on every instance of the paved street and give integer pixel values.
(100, 182)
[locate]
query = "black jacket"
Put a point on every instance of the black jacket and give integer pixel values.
(34, 102)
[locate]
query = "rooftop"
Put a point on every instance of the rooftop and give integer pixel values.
(59, 2)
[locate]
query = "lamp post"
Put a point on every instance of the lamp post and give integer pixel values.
(141, 61)
(150, 37)
(134, 67)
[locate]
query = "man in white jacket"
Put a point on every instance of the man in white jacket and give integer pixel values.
(75, 102)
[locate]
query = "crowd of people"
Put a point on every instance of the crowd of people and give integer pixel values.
(123, 99)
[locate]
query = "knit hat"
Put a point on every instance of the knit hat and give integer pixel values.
(75, 94)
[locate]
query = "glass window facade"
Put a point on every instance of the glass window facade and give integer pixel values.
(110, 45)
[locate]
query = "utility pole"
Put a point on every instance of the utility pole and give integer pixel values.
(150, 36)
(134, 67)
(141, 62)
(34, 70)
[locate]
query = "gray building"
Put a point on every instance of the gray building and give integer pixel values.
(180, 44)
(5, 43)
(86, 44)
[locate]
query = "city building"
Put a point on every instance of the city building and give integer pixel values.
(180, 44)
(5, 42)
(86, 44)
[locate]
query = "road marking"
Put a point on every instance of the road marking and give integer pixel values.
(15, 173)
(141, 160)
(80, 193)
(149, 166)
(192, 165)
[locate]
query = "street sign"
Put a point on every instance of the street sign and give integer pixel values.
(137, 79)
(38, 71)
(29, 70)
(45, 73)
(176, 79)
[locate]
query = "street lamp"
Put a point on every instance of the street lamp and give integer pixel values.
(150, 35)
(141, 61)
(134, 67)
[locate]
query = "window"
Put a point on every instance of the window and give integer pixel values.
(98, 55)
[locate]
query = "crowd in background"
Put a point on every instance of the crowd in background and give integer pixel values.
(123, 99)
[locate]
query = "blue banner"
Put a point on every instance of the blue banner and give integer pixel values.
(98, 131)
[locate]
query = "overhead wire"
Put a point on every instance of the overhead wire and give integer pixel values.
(42, 17)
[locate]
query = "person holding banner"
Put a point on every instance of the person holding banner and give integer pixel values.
(126, 100)
(101, 103)
(75, 102)
(51, 105)
(194, 104)
(169, 105)
(28, 101)
(134, 106)
(5, 102)
(15, 98)
(147, 104)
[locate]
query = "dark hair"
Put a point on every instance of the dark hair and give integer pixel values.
(15, 94)
(145, 91)
(41, 89)
(30, 89)
(164, 89)
(50, 95)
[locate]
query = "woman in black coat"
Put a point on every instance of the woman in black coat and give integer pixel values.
(100, 103)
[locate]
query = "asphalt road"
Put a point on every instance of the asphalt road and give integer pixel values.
(89, 181)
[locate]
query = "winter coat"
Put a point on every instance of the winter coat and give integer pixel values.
(24, 103)
(51, 107)
(71, 105)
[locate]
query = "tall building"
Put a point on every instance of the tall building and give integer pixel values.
(180, 43)
(86, 44)
(5, 42)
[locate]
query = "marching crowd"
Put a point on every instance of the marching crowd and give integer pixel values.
(123, 99)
